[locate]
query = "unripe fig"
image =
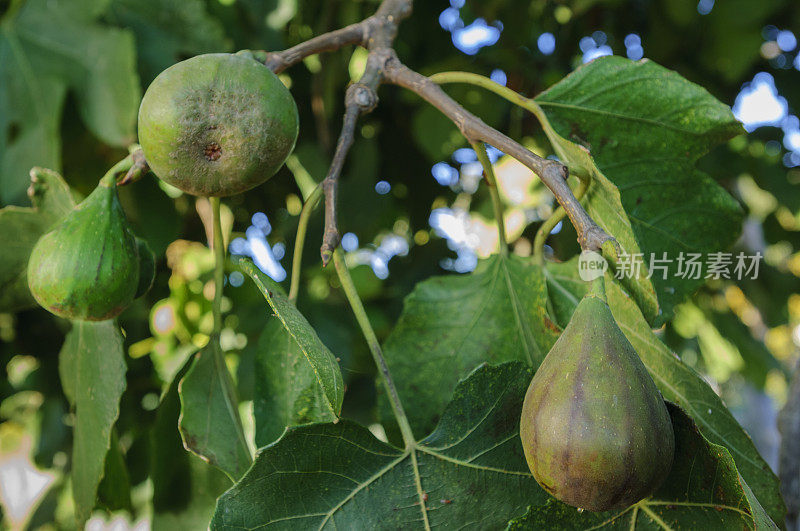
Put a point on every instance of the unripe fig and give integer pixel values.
(595, 429)
(147, 268)
(217, 124)
(87, 267)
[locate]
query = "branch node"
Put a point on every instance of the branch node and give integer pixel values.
(556, 170)
(361, 96)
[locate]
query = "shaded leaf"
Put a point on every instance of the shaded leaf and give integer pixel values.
(320, 360)
(46, 47)
(758, 359)
(92, 370)
(114, 491)
(451, 324)
(21, 228)
(604, 204)
(286, 391)
(645, 127)
(702, 491)
(210, 425)
(678, 383)
(168, 31)
(185, 488)
(469, 472)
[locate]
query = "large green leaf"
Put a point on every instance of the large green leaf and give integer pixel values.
(678, 382)
(469, 472)
(185, 488)
(92, 370)
(319, 360)
(702, 491)
(46, 48)
(645, 127)
(21, 228)
(452, 324)
(210, 425)
(286, 391)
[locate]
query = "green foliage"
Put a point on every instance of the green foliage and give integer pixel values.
(339, 475)
(185, 488)
(302, 341)
(451, 324)
(51, 200)
(92, 369)
(155, 414)
(210, 425)
(666, 123)
(48, 48)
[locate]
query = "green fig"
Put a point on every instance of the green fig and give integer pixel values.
(595, 429)
(87, 267)
(217, 124)
(147, 268)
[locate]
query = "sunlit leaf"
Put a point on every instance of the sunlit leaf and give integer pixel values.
(185, 488)
(318, 358)
(286, 391)
(469, 471)
(92, 369)
(645, 127)
(452, 324)
(210, 425)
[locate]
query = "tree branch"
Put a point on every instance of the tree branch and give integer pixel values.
(331, 237)
(377, 34)
(352, 34)
(552, 173)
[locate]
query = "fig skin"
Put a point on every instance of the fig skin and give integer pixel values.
(87, 267)
(217, 124)
(147, 268)
(595, 430)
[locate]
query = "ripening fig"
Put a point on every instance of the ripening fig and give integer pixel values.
(217, 124)
(595, 429)
(87, 267)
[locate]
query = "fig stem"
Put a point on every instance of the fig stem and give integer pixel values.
(110, 178)
(550, 223)
(491, 181)
(598, 288)
(590, 235)
(138, 169)
(374, 347)
(300, 239)
(219, 264)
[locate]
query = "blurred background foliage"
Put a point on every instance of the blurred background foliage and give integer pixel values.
(71, 76)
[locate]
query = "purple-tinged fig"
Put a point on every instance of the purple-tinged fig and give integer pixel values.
(217, 124)
(87, 267)
(595, 429)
